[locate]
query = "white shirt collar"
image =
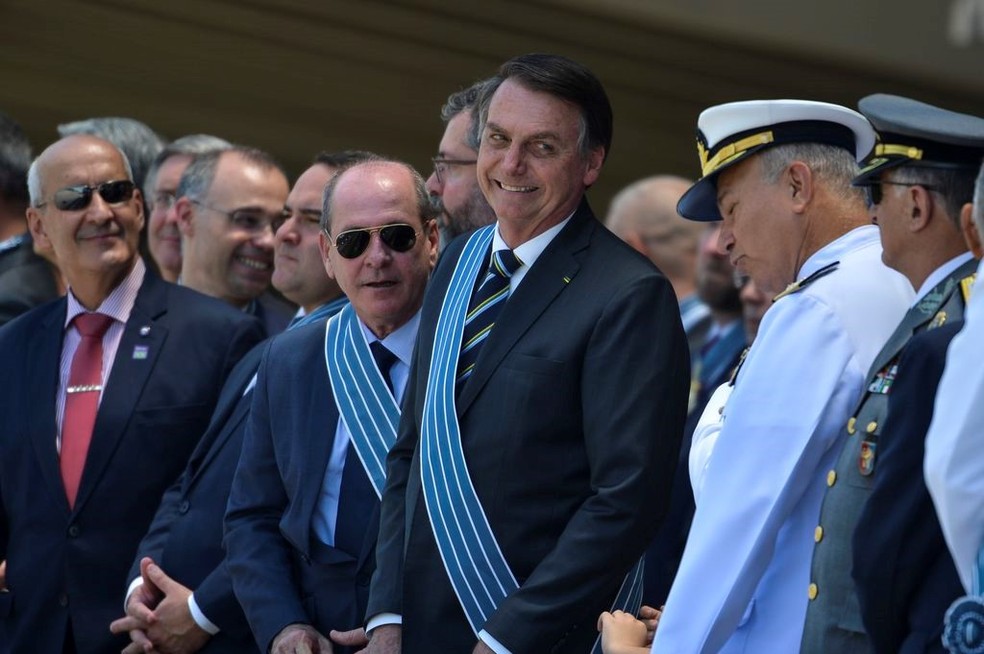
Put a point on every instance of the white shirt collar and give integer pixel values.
(399, 342)
(119, 303)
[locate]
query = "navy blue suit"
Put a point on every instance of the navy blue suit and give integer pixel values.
(903, 572)
(185, 538)
(66, 568)
(281, 572)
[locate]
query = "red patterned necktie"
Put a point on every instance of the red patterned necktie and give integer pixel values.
(82, 399)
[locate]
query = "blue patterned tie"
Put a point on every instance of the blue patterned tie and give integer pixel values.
(485, 306)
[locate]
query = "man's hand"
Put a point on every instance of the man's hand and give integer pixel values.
(353, 638)
(622, 633)
(169, 626)
(300, 639)
(650, 617)
(385, 639)
(139, 614)
(482, 648)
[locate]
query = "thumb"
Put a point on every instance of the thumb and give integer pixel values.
(159, 579)
(353, 638)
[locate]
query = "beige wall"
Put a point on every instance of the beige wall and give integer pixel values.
(295, 76)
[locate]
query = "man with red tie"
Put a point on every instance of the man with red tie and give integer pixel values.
(107, 390)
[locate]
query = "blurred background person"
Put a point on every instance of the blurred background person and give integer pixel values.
(26, 279)
(160, 187)
(453, 186)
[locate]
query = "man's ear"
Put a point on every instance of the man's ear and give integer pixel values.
(919, 207)
(185, 212)
(36, 227)
(799, 178)
(325, 247)
(971, 234)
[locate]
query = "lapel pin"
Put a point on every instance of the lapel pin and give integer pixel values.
(140, 351)
(145, 330)
(567, 280)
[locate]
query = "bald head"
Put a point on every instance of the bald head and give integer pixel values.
(644, 215)
(77, 147)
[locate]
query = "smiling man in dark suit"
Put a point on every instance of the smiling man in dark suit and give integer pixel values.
(110, 388)
(559, 419)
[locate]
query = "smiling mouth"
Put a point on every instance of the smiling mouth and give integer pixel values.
(254, 263)
(516, 189)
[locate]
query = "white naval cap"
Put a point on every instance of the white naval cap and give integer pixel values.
(727, 133)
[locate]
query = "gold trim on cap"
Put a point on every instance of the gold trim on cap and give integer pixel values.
(886, 149)
(730, 151)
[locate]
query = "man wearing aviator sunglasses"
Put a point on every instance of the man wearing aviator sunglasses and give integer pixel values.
(229, 205)
(104, 404)
(300, 523)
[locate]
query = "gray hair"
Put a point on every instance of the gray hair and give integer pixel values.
(955, 185)
(834, 166)
(15, 159)
(191, 146)
(196, 181)
(138, 142)
(425, 209)
(466, 100)
(34, 176)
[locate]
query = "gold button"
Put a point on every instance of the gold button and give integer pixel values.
(872, 426)
(850, 426)
(812, 592)
(818, 534)
(831, 477)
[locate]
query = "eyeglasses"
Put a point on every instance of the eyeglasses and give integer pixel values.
(442, 166)
(163, 200)
(398, 237)
(873, 189)
(76, 198)
(249, 220)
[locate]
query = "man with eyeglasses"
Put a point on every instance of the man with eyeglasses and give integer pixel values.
(229, 205)
(453, 186)
(160, 188)
(180, 595)
(302, 517)
(918, 180)
(107, 392)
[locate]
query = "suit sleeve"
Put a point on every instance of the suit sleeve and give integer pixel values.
(633, 399)
(257, 556)
(155, 540)
(897, 541)
(770, 424)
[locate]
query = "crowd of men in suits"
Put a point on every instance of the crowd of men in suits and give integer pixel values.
(248, 416)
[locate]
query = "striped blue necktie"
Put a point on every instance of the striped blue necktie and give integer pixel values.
(485, 306)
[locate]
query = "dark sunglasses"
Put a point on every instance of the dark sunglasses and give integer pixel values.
(873, 190)
(398, 237)
(76, 198)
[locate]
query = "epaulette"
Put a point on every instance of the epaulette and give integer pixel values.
(796, 287)
(966, 286)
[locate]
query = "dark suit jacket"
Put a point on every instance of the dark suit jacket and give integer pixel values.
(70, 564)
(903, 572)
(281, 572)
(185, 538)
(571, 424)
(26, 280)
(274, 313)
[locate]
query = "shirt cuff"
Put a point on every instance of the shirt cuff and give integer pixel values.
(493, 644)
(199, 617)
(135, 584)
(381, 619)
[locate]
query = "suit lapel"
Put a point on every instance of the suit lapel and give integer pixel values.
(550, 274)
(45, 351)
(126, 380)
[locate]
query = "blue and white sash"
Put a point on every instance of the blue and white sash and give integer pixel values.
(478, 571)
(364, 401)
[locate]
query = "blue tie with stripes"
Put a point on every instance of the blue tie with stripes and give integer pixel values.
(485, 306)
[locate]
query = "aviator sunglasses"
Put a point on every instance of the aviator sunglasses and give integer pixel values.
(398, 237)
(873, 189)
(75, 198)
